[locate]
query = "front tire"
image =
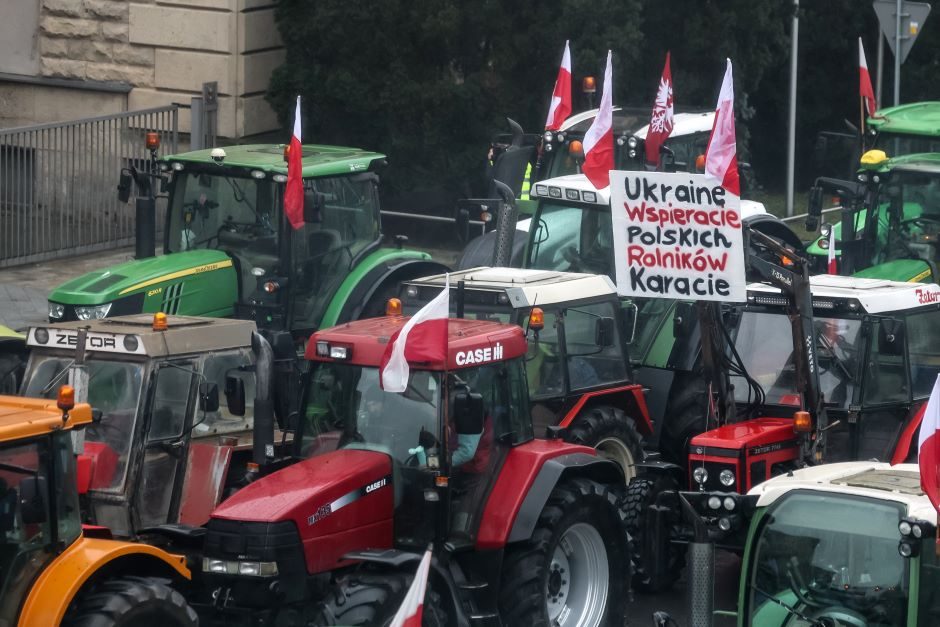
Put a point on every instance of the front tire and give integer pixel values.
(651, 577)
(372, 599)
(575, 567)
(133, 602)
(612, 433)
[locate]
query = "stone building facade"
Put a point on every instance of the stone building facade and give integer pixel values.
(65, 59)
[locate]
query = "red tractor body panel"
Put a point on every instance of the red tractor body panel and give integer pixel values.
(340, 501)
(629, 395)
(519, 471)
(469, 342)
(751, 449)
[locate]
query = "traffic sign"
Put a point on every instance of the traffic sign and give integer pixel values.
(913, 15)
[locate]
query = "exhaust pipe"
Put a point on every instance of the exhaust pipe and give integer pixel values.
(701, 570)
(262, 451)
(505, 225)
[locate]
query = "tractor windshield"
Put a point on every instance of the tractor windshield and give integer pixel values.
(765, 343)
(827, 556)
(897, 144)
(907, 221)
(571, 236)
(114, 388)
(346, 408)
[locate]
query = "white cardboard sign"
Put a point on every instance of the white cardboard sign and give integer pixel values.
(677, 235)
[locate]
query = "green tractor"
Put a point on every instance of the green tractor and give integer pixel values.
(890, 219)
(229, 250)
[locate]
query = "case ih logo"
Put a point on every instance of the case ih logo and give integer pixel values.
(480, 355)
(925, 297)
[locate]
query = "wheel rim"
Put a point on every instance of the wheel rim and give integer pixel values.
(616, 450)
(578, 579)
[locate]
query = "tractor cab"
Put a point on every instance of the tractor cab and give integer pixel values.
(176, 398)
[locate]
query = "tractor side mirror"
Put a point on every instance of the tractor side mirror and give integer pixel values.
(631, 314)
(34, 505)
(234, 395)
(891, 337)
(468, 413)
(313, 206)
(683, 319)
(208, 396)
(124, 187)
(814, 210)
(604, 332)
(164, 184)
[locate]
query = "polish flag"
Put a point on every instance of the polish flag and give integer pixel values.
(721, 159)
(864, 81)
(929, 447)
(560, 107)
(294, 191)
(409, 614)
(661, 121)
(832, 268)
(599, 139)
(423, 338)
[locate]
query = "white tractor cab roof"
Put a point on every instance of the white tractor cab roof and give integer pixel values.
(135, 335)
(877, 480)
(526, 288)
(871, 296)
(686, 124)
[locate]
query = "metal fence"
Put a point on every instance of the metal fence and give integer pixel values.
(58, 183)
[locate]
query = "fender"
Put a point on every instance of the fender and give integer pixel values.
(57, 585)
(771, 225)
(903, 448)
(634, 397)
(388, 274)
(517, 498)
(652, 467)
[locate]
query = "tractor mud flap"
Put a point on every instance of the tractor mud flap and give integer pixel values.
(659, 522)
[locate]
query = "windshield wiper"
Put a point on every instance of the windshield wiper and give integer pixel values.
(240, 197)
(830, 346)
(791, 610)
(55, 379)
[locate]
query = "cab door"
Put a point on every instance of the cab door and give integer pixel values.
(165, 443)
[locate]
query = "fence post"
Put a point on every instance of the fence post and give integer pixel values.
(197, 133)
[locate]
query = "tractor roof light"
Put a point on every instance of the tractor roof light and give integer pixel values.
(218, 155)
(576, 149)
(323, 349)
(160, 321)
(258, 174)
(536, 319)
(589, 85)
(802, 421)
(700, 163)
(393, 307)
(66, 398)
(177, 166)
(873, 158)
(548, 137)
(153, 140)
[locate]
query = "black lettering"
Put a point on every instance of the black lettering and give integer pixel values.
(632, 195)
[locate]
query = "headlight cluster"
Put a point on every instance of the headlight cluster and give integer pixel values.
(700, 475)
(913, 531)
(96, 312)
(231, 567)
(56, 311)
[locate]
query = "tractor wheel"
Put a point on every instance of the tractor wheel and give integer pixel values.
(11, 372)
(137, 601)
(640, 495)
(575, 568)
(372, 599)
(612, 433)
(685, 419)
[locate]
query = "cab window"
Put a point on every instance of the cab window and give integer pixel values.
(591, 363)
(170, 400)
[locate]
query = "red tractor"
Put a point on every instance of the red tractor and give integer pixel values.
(524, 531)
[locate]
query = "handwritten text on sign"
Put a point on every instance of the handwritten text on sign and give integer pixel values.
(677, 235)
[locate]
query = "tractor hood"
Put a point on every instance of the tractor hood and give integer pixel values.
(908, 270)
(109, 284)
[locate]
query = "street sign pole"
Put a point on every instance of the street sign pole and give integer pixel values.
(897, 54)
(901, 22)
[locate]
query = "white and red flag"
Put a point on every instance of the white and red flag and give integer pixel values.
(864, 81)
(560, 107)
(599, 139)
(721, 158)
(929, 447)
(423, 338)
(832, 268)
(294, 190)
(412, 608)
(661, 121)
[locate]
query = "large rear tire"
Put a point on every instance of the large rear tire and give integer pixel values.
(372, 599)
(612, 433)
(575, 568)
(640, 495)
(133, 602)
(684, 419)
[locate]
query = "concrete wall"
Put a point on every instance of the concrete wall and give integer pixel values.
(164, 50)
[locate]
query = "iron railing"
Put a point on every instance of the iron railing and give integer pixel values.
(58, 183)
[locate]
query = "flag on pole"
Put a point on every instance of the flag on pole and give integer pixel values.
(599, 139)
(560, 107)
(423, 338)
(409, 614)
(929, 447)
(832, 268)
(864, 81)
(294, 190)
(661, 121)
(721, 159)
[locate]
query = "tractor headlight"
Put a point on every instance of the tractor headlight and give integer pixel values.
(700, 475)
(547, 137)
(96, 312)
(729, 503)
(633, 142)
(714, 502)
(726, 477)
(231, 567)
(724, 524)
(56, 311)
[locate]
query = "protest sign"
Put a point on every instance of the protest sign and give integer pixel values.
(677, 235)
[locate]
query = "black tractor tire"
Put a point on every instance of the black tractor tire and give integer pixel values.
(372, 599)
(612, 433)
(132, 601)
(640, 495)
(12, 366)
(684, 419)
(576, 510)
